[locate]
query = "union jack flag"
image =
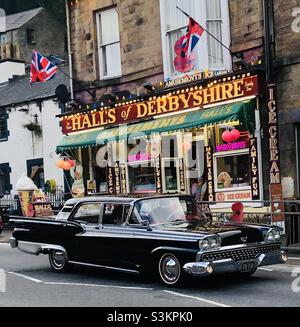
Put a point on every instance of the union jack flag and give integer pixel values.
(187, 43)
(41, 69)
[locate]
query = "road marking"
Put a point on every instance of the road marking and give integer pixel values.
(97, 285)
(199, 299)
(266, 269)
(26, 277)
(293, 258)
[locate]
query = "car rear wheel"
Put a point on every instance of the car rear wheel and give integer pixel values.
(58, 261)
(170, 271)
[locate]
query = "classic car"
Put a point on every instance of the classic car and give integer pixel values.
(165, 235)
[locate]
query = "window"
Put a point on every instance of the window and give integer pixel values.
(30, 36)
(142, 178)
(109, 44)
(5, 186)
(211, 14)
(35, 170)
(232, 171)
(3, 126)
(88, 213)
(214, 26)
(114, 214)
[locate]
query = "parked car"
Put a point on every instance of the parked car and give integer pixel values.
(166, 235)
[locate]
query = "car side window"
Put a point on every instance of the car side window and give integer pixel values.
(114, 214)
(133, 220)
(88, 213)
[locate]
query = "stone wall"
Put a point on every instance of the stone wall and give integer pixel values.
(140, 38)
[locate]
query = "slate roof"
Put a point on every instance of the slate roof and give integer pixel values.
(17, 20)
(18, 90)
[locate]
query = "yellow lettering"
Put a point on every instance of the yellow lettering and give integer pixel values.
(173, 103)
(142, 110)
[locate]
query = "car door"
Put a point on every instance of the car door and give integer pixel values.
(86, 243)
(117, 238)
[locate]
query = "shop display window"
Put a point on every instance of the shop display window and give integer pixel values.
(171, 183)
(142, 179)
(232, 171)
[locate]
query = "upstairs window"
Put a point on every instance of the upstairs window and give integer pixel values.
(30, 36)
(213, 15)
(214, 26)
(109, 44)
(3, 126)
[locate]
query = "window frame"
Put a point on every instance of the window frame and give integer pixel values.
(7, 185)
(124, 217)
(4, 116)
(75, 210)
(229, 154)
(200, 15)
(102, 45)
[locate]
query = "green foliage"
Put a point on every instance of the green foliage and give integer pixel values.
(57, 7)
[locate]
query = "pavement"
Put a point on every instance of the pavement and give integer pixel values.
(30, 282)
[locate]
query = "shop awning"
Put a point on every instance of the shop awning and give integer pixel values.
(241, 111)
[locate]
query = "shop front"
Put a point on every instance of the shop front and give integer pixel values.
(202, 139)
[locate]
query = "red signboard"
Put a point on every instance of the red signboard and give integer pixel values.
(178, 101)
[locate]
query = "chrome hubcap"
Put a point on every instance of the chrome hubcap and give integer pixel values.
(170, 269)
(58, 259)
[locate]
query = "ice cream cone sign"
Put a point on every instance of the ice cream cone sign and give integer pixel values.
(26, 188)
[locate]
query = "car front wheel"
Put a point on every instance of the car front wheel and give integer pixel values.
(58, 261)
(170, 271)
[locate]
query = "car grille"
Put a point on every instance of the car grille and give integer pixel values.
(240, 254)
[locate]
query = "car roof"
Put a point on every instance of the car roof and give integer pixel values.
(120, 199)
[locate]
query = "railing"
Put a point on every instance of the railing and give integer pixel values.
(260, 212)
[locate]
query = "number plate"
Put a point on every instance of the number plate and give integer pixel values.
(248, 266)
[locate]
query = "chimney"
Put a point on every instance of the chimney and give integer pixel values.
(9, 68)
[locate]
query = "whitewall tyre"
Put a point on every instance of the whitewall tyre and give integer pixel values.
(58, 261)
(169, 269)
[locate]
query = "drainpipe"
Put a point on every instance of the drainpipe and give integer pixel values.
(269, 38)
(70, 53)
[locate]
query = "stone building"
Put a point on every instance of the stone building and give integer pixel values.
(284, 36)
(32, 29)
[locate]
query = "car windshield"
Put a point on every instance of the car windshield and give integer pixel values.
(168, 210)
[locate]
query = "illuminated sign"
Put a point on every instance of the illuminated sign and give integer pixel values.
(178, 101)
(231, 146)
(234, 196)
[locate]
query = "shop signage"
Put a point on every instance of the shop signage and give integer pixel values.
(91, 187)
(117, 177)
(139, 157)
(169, 103)
(231, 146)
(123, 179)
(275, 176)
(43, 209)
(209, 172)
(158, 175)
(181, 175)
(277, 205)
(194, 77)
(110, 173)
(254, 173)
(234, 196)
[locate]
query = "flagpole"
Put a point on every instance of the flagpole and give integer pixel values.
(223, 45)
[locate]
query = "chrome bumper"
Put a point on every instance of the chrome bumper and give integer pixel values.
(35, 248)
(229, 265)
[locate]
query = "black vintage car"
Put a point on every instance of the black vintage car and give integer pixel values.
(167, 235)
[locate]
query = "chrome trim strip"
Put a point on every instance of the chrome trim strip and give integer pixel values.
(104, 267)
(36, 248)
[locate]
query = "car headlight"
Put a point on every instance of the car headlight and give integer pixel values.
(212, 242)
(273, 235)
(204, 244)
